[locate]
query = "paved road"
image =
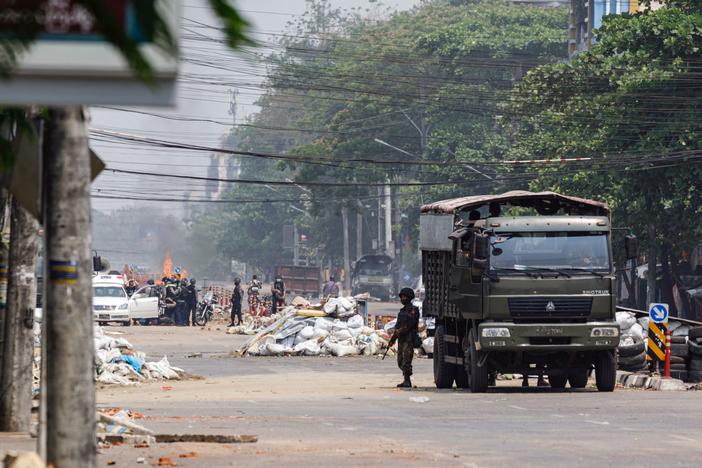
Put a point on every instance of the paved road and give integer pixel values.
(346, 412)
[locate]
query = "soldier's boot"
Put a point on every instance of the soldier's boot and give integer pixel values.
(525, 380)
(407, 383)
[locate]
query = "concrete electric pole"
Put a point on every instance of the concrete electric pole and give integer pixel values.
(68, 321)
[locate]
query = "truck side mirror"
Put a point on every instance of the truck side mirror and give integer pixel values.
(631, 247)
(482, 251)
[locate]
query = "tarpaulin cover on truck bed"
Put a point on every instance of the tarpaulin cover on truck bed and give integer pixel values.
(515, 197)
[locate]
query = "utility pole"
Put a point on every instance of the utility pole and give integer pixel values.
(16, 400)
(4, 260)
(68, 322)
(389, 250)
(347, 260)
(359, 234)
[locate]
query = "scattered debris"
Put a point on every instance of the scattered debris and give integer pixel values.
(419, 399)
(188, 455)
(166, 461)
(206, 438)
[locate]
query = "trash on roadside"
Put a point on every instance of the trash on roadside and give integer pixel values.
(420, 399)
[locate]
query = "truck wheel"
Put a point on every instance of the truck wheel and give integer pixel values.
(444, 372)
(127, 323)
(478, 376)
(578, 379)
(606, 371)
(557, 380)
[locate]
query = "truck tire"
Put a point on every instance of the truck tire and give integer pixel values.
(679, 374)
(578, 379)
(478, 375)
(677, 360)
(444, 372)
(606, 371)
(557, 380)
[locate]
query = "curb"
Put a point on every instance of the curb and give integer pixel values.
(645, 381)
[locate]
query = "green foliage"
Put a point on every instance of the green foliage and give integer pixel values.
(631, 104)
(429, 81)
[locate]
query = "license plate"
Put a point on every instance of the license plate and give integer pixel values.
(549, 331)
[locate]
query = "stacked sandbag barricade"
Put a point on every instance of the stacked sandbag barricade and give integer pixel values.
(685, 347)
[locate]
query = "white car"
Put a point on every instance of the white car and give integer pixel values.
(111, 303)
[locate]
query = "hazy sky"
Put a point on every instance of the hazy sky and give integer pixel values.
(197, 100)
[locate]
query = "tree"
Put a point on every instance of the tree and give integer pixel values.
(631, 103)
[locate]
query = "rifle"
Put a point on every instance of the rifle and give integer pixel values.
(392, 342)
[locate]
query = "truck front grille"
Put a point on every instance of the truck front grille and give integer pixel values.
(545, 308)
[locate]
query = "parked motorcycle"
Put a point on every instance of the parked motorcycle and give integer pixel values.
(205, 308)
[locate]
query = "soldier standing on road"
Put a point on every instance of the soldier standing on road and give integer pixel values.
(192, 301)
(237, 298)
(406, 329)
(278, 294)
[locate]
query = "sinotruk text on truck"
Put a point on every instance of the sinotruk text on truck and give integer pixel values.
(520, 283)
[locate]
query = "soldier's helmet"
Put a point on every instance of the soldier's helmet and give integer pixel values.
(407, 292)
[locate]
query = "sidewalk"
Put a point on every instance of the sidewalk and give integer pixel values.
(18, 441)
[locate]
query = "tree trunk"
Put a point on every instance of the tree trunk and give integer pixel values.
(651, 257)
(16, 400)
(359, 233)
(4, 260)
(68, 320)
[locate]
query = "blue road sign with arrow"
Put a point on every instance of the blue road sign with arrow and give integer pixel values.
(658, 313)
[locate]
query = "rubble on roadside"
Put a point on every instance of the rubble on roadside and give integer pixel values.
(332, 328)
(117, 363)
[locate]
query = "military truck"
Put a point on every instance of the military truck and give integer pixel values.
(520, 283)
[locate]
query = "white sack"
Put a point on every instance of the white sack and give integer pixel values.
(355, 321)
(625, 320)
(428, 345)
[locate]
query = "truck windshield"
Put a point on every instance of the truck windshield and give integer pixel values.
(374, 266)
(108, 291)
(573, 252)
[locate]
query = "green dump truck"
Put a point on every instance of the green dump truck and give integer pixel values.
(521, 282)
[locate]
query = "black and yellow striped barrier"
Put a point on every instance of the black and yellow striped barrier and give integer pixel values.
(656, 341)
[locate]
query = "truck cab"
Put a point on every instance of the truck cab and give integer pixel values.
(520, 283)
(373, 274)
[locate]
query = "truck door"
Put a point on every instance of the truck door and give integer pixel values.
(465, 281)
(142, 305)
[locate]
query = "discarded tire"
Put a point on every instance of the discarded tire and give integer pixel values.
(632, 350)
(678, 340)
(695, 333)
(678, 367)
(681, 350)
(632, 360)
(694, 376)
(677, 360)
(696, 365)
(694, 349)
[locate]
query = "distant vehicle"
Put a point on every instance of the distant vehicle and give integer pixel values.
(373, 274)
(111, 303)
(419, 288)
(300, 280)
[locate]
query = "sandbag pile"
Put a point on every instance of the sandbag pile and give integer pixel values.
(685, 347)
(117, 363)
(333, 328)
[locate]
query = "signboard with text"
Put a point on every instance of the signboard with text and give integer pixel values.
(71, 63)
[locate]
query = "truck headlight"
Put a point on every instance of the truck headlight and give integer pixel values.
(123, 306)
(496, 332)
(604, 332)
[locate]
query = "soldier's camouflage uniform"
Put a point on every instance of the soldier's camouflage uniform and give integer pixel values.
(406, 329)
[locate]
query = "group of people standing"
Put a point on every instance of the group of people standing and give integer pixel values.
(254, 293)
(179, 298)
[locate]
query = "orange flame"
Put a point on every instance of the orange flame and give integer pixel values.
(167, 265)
